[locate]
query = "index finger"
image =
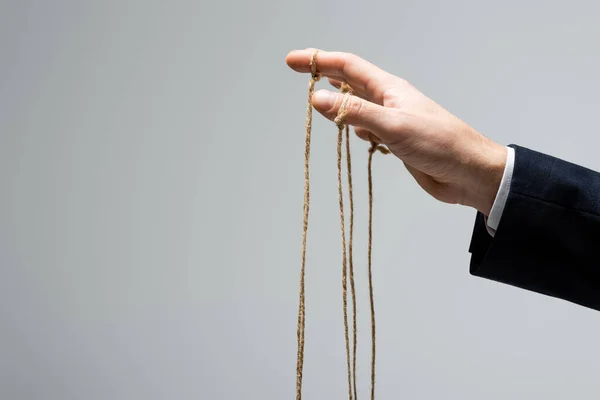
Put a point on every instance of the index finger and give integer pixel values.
(359, 73)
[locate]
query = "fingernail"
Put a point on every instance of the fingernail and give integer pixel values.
(323, 99)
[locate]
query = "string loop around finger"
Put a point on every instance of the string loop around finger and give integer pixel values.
(313, 66)
(343, 111)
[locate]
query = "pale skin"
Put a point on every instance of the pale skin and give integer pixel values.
(449, 159)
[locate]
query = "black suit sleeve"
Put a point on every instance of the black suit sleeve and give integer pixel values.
(548, 239)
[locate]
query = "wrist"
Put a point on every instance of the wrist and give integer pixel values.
(485, 175)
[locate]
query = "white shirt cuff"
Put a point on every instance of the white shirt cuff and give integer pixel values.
(493, 220)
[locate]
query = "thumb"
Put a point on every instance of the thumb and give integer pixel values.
(359, 112)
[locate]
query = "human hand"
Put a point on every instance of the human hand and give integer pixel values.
(450, 160)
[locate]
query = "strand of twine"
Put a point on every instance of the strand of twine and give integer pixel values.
(374, 147)
(345, 88)
(339, 121)
(301, 307)
(347, 261)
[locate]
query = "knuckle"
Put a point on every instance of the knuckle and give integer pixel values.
(347, 60)
(404, 85)
(343, 63)
(351, 58)
(355, 107)
(399, 120)
(335, 106)
(402, 81)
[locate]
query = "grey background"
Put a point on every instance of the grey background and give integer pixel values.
(151, 161)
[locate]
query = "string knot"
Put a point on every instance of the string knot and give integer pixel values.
(343, 111)
(375, 147)
(345, 88)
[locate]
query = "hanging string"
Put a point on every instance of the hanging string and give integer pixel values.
(374, 147)
(347, 259)
(345, 88)
(301, 307)
(339, 121)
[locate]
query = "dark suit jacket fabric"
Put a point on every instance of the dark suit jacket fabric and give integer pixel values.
(548, 239)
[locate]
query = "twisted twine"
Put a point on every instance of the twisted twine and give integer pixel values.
(347, 260)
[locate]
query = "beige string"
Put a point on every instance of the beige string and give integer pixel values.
(301, 307)
(339, 121)
(347, 261)
(345, 88)
(374, 147)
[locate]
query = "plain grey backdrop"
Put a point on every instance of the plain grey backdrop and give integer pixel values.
(151, 168)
